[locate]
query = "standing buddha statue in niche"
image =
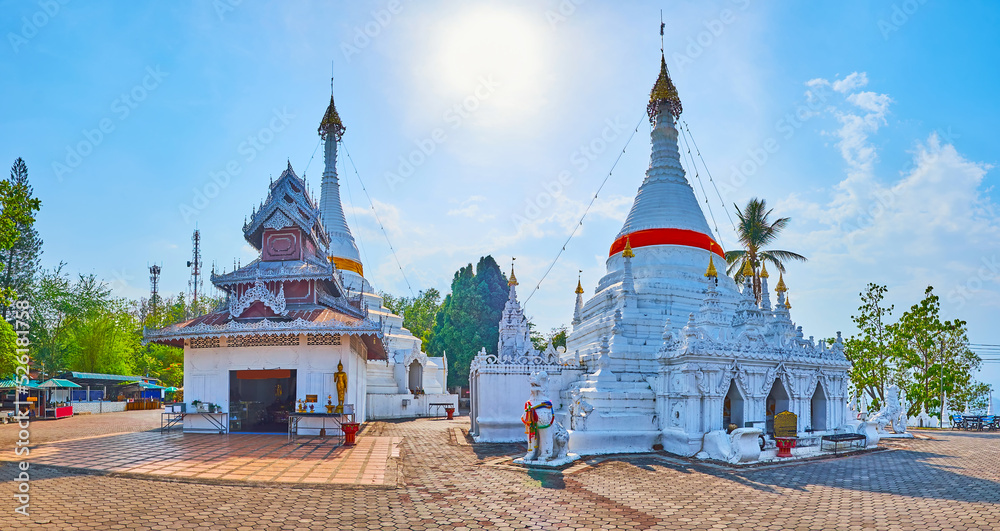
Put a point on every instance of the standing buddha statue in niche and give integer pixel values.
(340, 378)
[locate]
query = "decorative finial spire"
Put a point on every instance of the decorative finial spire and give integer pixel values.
(331, 124)
(664, 92)
(513, 279)
(763, 271)
(711, 272)
(747, 269)
(627, 252)
(780, 288)
(579, 283)
(788, 303)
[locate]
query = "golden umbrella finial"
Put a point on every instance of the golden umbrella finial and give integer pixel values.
(627, 252)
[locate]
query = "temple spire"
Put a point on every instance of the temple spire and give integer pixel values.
(343, 249)
(578, 309)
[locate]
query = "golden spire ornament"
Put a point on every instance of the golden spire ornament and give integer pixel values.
(781, 284)
(513, 279)
(627, 252)
(788, 303)
(579, 284)
(763, 271)
(747, 269)
(711, 272)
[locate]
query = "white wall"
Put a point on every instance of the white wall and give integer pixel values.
(206, 373)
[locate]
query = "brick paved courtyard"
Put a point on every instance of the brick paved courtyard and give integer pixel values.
(950, 482)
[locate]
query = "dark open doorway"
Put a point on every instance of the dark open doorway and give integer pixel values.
(260, 400)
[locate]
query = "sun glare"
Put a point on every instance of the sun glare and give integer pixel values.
(492, 44)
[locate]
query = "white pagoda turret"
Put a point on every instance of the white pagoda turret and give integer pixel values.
(410, 380)
(733, 361)
(342, 251)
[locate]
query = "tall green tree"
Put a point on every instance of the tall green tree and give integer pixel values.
(17, 210)
(757, 232)
(418, 312)
(469, 318)
(874, 352)
(937, 358)
(20, 263)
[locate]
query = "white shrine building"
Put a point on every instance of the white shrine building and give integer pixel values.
(295, 313)
(668, 349)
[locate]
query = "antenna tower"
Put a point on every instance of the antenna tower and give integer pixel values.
(154, 289)
(195, 264)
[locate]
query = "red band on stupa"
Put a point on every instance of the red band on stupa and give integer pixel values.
(689, 238)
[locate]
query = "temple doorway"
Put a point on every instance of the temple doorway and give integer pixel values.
(818, 408)
(261, 400)
(777, 402)
(732, 407)
(416, 376)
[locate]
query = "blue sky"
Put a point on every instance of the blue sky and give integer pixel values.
(887, 164)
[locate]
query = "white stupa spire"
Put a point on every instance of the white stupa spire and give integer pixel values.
(578, 309)
(665, 211)
(343, 251)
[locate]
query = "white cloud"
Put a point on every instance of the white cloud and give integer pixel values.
(933, 223)
(851, 82)
(470, 208)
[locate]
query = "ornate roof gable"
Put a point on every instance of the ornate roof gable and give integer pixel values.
(287, 205)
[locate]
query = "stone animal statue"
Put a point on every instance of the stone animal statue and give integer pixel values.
(547, 438)
(892, 413)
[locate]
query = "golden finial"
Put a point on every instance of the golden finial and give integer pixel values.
(331, 124)
(763, 271)
(513, 279)
(747, 269)
(788, 303)
(627, 252)
(781, 284)
(579, 284)
(711, 272)
(664, 92)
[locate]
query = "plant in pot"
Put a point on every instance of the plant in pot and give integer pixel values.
(198, 405)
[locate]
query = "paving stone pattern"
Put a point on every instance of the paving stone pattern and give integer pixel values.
(950, 482)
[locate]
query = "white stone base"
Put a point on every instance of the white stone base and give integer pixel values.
(554, 463)
(612, 442)
(891, 435)
(390, 406)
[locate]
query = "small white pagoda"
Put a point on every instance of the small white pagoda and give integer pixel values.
(669, 350)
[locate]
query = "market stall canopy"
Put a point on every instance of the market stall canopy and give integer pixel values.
(143, 385)
(10, 383)
(58, 383)
(172, 389)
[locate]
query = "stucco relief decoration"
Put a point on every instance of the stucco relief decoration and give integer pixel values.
(259, 292)
(277, 221)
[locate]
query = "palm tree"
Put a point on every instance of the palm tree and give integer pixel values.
(756, 232)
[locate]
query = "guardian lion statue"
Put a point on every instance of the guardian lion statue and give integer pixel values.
(892, 412)
(547, 438)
